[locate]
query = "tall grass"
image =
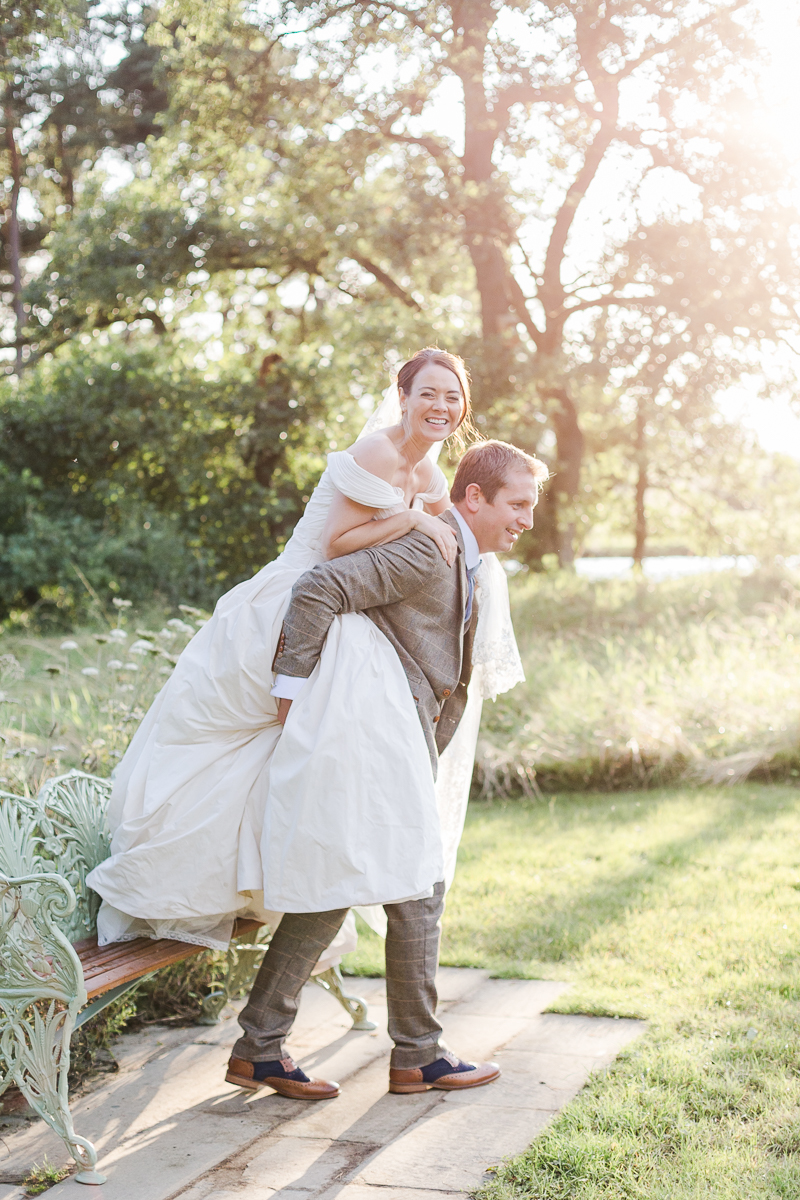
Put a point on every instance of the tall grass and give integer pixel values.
(631, 683)
(75, 700)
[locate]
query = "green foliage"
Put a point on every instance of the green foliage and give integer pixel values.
(287, 199)
(90, 1046)
(629, 683)
(176, 993)
(79, 706)
(149, 479)
(42, 1177)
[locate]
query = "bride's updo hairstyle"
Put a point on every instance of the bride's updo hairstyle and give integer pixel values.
(465, 431)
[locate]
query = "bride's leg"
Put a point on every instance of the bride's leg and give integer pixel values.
(269, 1014)
(412, 956)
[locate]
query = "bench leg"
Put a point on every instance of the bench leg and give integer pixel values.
(241, 967)
(35, 1047)
(332, 981)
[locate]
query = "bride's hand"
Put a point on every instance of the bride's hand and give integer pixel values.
(439, 532)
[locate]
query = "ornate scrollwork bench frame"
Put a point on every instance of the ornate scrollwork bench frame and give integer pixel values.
(48, 845)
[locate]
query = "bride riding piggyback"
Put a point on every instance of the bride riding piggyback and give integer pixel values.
(313, 749)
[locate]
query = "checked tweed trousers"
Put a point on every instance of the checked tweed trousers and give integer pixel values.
(412, 956)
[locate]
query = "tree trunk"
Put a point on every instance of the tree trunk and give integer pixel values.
(481, 203)
(65, 170)
(13, 243)
(641, 487)
(569, 457)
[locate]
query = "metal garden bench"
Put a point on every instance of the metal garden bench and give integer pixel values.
(54, 976)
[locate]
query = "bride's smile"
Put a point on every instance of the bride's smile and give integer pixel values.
(434, 406)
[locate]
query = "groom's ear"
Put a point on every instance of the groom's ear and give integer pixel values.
(473, 496)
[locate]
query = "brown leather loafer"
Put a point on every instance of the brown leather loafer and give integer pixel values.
(402, 1081)
(245, 1075)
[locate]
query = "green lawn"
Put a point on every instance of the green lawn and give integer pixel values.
(679, 905)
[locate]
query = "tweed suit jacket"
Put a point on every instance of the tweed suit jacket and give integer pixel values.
(415, 599)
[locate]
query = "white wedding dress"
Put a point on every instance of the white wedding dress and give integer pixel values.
(216, 813)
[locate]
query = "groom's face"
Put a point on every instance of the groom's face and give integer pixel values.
(498, 525)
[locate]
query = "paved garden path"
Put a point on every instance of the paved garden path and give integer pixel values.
(169, 1128)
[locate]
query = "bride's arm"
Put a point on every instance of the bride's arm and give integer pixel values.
(351, 526)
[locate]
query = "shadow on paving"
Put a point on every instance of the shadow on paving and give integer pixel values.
(169, 1128)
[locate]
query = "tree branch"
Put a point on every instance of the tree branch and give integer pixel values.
(399, 10)
(386, 280)
(552, 292)
(675, 42)
(520, 302)
(434, 148)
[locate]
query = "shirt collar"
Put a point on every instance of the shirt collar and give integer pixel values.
(472, 555)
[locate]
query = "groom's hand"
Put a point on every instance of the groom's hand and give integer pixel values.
(283, 709)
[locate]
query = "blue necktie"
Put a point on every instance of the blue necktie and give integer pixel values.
(470, 590)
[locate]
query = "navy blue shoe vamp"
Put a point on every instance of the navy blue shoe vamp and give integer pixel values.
(443, 1066)
(276, 1070)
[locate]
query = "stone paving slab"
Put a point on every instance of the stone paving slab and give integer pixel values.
(168, 1127)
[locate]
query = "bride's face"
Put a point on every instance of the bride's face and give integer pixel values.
(434, 406)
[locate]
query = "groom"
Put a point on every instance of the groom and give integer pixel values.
(427, 611)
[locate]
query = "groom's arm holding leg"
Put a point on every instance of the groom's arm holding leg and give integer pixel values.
(370, 578)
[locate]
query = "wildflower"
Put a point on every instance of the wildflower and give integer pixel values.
(141, 647)
(52, 669)
(193, 612)
(130, 667)
(119, 635)
(167, 635)
(90, 671)
(165, 670)
(121, 603)
(113, 664)
(181, 626)
(69, 645)
(60, 749)
(11, 667)
(100, 637)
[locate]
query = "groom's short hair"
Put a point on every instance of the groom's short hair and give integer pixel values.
(489, 464)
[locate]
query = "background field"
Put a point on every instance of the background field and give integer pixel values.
(629, 684)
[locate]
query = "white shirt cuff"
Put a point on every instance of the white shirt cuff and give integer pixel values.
(287, 687)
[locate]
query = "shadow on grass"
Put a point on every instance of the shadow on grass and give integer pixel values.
(508, 918)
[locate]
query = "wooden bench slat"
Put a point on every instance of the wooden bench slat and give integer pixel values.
(106, 967)
(95, 958)
(137, 965)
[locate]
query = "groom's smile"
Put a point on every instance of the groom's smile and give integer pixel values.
(497, 525)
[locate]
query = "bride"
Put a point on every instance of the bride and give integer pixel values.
(210, 775)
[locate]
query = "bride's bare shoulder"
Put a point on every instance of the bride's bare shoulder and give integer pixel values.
(377, 454)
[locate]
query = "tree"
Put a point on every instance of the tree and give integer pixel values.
(285, 199)
(554, 85)
(61, 109)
